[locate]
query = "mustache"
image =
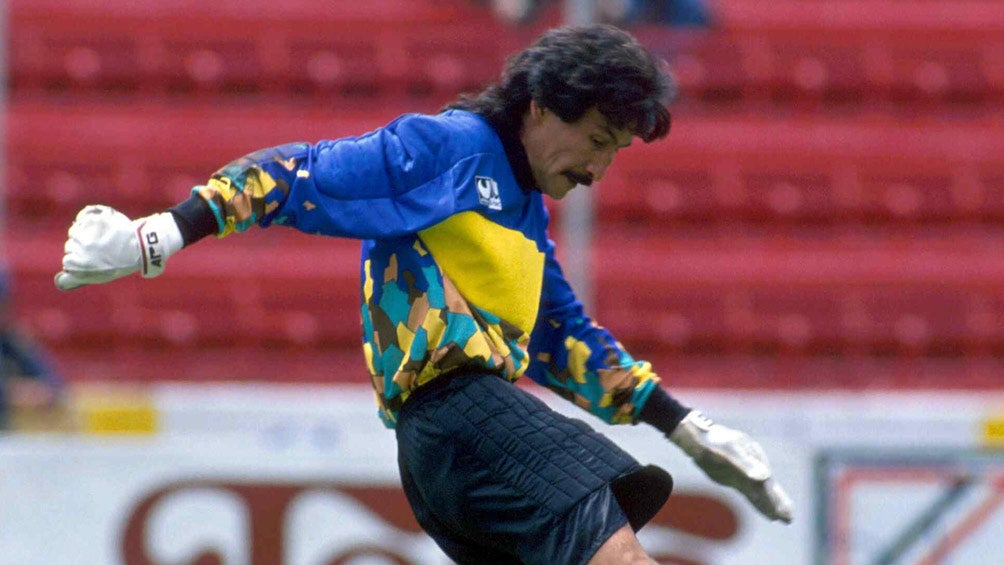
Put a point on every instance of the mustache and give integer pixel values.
(585, 179)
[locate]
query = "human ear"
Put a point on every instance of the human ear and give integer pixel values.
(536, 110)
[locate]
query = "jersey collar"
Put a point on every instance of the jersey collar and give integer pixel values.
(514, 150)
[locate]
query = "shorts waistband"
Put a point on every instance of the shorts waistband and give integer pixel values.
(440, 383)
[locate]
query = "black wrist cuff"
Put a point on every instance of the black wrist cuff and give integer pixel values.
(662, 411)
(195, 219)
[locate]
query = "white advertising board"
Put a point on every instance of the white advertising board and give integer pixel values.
(298, 476)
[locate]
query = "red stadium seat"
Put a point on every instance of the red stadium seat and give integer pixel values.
(908, 195)
(89, 317)
(39, 189)
(984, 317)
(186, 311)
(819, 69)
(785, 195)
(680, 319)
(711, 67)
(336, 64)
(309, 311)
(799, 319)
(913, 321)
(991, 183)
(649, 192)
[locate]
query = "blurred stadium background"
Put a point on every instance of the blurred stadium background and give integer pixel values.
(817, 252)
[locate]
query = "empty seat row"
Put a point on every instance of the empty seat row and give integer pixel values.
(829, 68)
(781, 190)
(272, 313)
(810, 15)
(893, 16)
(286, 56)
(256, 289)
(721, 192)
(811, 170)
(131, 364)
(914, 297)
(735, 371)
(143, 158)
(334, 58)
(283, 288)
(803, 171)
(831, 319)
(798, 372)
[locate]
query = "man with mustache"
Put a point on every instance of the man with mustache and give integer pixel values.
(462, 295)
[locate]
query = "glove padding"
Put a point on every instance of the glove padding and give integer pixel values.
(103, 245)
(733, 459)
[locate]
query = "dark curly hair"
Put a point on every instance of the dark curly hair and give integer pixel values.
(571, 69)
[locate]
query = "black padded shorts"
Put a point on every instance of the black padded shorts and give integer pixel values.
(495, 476)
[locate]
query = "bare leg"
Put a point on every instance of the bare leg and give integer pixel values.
(622, 548)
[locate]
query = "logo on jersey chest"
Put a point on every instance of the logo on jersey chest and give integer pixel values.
(488, 193)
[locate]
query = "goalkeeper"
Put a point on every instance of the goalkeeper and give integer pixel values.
(462, 295)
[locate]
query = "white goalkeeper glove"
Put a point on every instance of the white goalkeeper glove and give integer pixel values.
(733, 459)
(103, 245)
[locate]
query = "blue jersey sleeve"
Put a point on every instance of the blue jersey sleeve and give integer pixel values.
(581, 360)
(393, 181)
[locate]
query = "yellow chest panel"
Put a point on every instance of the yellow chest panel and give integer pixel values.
(495, 268)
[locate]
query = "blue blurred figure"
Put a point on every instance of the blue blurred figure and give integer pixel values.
(27, 378)
(672, 13)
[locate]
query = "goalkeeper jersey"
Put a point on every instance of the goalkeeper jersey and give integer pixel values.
(457, 270)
